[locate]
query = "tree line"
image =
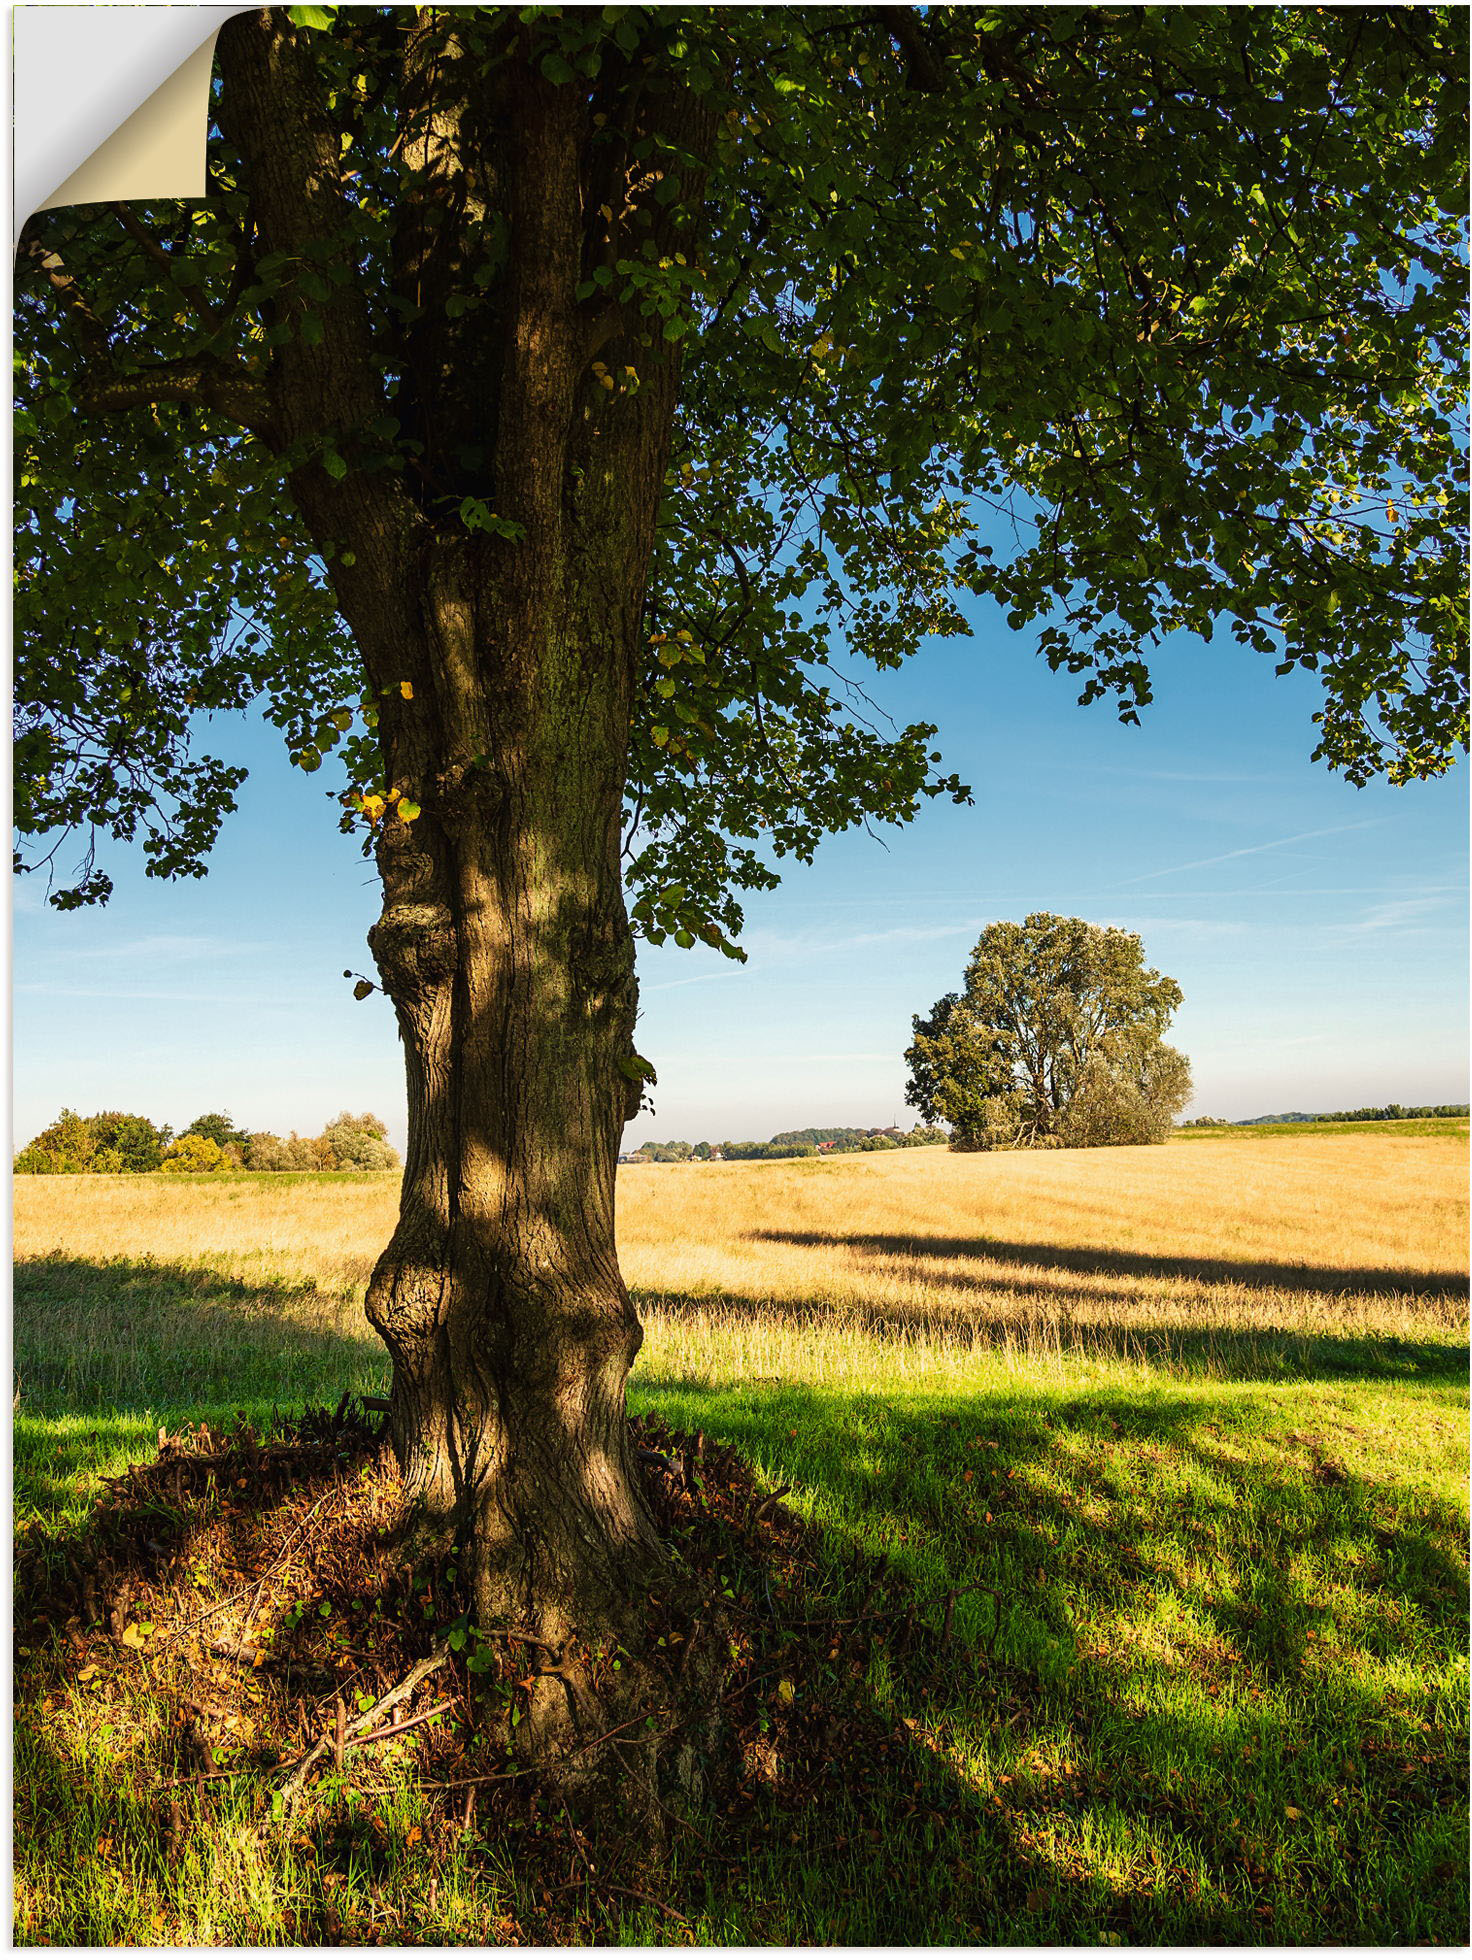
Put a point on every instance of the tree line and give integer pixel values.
(114, 1141)
(1390, 1113)
(790, 1143)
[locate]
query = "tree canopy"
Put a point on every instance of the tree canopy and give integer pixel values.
(1177, 291)
(1055, 1039)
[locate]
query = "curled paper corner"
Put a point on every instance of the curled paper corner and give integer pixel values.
(130, 120)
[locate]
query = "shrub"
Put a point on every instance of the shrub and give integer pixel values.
(191, 1153)
(359, 1143)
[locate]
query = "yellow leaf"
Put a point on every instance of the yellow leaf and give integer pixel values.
(406, 688)
(88, 1674)
(786, 1693)
(133, 1635)
(408, 809)
(372, 808)
(1289, 1811)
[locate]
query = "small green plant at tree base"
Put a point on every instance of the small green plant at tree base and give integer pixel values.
(1055, 1040)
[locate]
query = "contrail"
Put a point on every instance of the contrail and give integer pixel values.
(1252, 850)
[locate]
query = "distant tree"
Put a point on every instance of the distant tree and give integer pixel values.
(220, 1128)
(701, 1153)
(137, 1143)
(768, 1150)
(194, 1153)
(667, 1153)
(110, 1141)
(360, 1143)
(1055, 1039)
(65, 1147)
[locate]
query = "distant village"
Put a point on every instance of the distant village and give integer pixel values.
(788, 1143)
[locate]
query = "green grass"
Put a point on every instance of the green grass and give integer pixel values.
(1215, 1692)
(1410, 1126)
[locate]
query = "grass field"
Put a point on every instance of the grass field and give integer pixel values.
(1195, 1418)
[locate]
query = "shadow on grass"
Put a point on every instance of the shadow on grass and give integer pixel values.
(1197, 1696)
(1083, 1327)
(1332, 1281)
(118, 1334)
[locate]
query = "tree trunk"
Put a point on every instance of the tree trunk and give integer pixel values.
(504, 945)
(495, 589)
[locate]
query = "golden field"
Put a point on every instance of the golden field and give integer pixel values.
(1167, 1255)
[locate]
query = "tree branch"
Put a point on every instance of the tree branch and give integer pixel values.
(142, 236)
(206, 383)
(924, 73)
(205, 380)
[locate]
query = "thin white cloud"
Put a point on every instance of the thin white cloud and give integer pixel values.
(690, 980)
(1250, 850)
(1396, 915)
(173, 946)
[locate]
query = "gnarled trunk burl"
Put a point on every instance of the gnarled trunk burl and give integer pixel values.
(504, 661)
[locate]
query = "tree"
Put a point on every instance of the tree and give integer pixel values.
(1054, 1039)
(221, 1129)
(138, 1144)
(109, 1141)
(194, 1154)
(66, 1146)
(266, 1152)
(545, 410)
(360, 1143)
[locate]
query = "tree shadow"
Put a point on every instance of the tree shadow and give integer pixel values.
(1267, 1350)
(1148, 1721)
(95, 1336)
(1333, 1281)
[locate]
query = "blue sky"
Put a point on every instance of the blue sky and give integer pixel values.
(1315, 929)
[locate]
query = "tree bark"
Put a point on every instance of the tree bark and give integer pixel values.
(504, 659)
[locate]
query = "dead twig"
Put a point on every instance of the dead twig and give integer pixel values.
(193, 1626)
(536, 1769)
(399, 1728)
(767, 1502)
(300, 1769)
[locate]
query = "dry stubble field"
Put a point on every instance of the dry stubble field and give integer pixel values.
(1193, 1256)
(1191, 1421)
